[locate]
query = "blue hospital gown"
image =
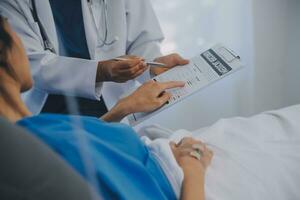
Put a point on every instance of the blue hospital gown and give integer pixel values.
(125, 168)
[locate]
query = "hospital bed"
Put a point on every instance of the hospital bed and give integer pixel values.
(255, 158)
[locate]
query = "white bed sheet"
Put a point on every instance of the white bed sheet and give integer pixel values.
(254, 158)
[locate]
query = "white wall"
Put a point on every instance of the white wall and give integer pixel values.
(190, 26)
(277, 73)
(264, 32)
(292, 86)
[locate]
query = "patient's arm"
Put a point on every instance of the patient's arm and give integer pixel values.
(150, 96)
(193, 184)
(193, 169)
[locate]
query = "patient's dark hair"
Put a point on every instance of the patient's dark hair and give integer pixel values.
(6, 43)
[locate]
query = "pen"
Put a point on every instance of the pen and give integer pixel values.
(154, 64)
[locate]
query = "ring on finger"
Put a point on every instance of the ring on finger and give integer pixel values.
(200, 148)
(196, 155)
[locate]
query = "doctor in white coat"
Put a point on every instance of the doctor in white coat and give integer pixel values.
(112, 28)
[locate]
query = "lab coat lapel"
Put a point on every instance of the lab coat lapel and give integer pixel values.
(45, 15)
(90, 29)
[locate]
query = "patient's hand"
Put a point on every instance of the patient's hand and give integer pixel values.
(182, 152)
(193, 165)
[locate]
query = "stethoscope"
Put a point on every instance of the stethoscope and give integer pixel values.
(48, 46)
(104, 41)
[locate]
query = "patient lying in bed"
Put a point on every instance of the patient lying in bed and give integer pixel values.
(255, 158)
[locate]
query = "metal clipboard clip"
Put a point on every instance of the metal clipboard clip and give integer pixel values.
(228, 54)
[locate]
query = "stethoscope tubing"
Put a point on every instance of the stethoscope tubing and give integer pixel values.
(104, 41)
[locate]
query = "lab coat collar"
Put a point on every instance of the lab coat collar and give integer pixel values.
(90, 29)
(45, 15)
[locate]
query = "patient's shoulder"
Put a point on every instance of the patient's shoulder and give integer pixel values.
(49, 119)
(54, 125)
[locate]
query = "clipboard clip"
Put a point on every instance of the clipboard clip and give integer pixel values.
(228, 54)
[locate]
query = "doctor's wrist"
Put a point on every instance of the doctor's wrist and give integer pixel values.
(117, 113)
(101, 74)
(124, 107)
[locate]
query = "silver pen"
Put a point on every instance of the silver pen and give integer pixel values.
(154, 64)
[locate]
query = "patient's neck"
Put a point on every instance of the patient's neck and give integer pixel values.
(11, 105)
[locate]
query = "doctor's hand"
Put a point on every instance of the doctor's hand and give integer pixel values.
(121, 71)
(148, 97)
(170, 61)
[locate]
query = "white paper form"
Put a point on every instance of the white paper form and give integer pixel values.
(204, 69)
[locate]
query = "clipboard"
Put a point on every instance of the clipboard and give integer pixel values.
(210, 66)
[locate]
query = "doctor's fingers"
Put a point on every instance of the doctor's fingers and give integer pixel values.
(159, 89)
(134, 69)
(171, 84)
(178, 60)
(164, 98)
(131, 75)
(130, 63)
(132, 57)
(140, 72)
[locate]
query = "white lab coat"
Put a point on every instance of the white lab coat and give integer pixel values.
(132, 21)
